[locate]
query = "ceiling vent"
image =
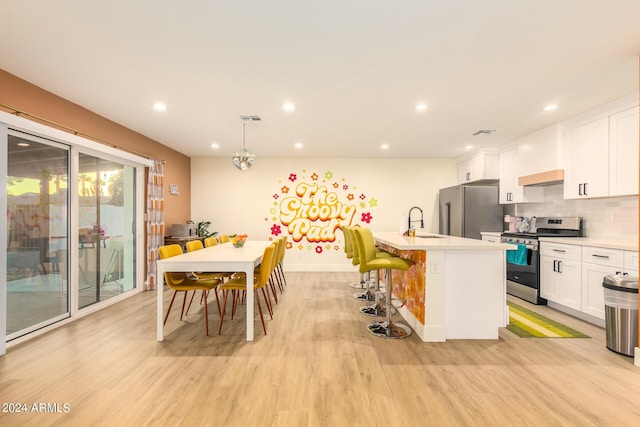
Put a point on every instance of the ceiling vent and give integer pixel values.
(250, 118)
(483, 132)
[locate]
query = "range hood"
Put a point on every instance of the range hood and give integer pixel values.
(543, 178)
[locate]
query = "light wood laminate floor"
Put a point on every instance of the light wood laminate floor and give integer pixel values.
(318, 366)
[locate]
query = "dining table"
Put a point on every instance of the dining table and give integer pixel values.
(223, 257)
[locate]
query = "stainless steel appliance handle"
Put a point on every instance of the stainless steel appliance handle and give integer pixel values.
(447, 218)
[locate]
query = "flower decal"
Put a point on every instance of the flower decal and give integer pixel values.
(318, 249)
(284, 189)
(366, 217)
(293, 177)
(336, 185)
(345, 187)
(362, 197)
(373, 202)
(276, 230)
(350, 196)
(314, 176)
(275, 196)
(328, 175)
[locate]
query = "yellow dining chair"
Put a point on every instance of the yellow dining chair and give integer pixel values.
(180, 282)
(239, 283)
(224, 238)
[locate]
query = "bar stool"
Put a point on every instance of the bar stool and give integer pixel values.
(368, 262)
(367, 295)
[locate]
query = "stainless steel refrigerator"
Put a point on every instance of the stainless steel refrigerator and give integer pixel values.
(466, 210)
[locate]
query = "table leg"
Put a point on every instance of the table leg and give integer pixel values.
(250, 298)
(160, 303)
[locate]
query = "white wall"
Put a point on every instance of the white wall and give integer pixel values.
(243, 201)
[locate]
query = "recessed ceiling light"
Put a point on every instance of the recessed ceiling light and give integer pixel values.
(468, 147)
(298, 145)
(550, 107)
(215, 145)
(385, 146)
(421, 106)
(288, 106)
(23, 144)
(160, 106)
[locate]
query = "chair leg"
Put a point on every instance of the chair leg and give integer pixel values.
(264, 328)
(266, 300)
(190, 301)
(217, 299)
(184, 303)
(170, 305)
(225, 294)
(206, 314)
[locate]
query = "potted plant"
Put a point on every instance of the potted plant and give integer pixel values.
(203, 229)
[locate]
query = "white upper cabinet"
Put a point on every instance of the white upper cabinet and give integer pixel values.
(624, 139)
(586, 160)
(510, 191)
(601, 152)
(482, 166)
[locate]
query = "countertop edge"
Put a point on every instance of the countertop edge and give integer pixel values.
(588, 241)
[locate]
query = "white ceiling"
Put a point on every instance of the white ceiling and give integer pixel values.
(354, 68)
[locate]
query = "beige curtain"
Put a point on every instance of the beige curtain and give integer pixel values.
(155, 221)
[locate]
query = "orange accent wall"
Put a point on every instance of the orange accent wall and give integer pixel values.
(22, 95)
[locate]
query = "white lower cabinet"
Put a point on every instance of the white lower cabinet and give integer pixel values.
(560, 274)
(572, 275)
(592, 291)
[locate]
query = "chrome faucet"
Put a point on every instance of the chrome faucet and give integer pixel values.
(421, 218)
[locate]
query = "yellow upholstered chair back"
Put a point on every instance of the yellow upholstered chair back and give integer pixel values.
(366, 248)
(210, 241)
(194, 245)
(224, 238)
(348, 243)
(355, 251)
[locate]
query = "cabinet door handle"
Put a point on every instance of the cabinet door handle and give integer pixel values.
(555, 265)
(585, 188)
(559, 250)
(559, 265)
(600, 256)
(618, 273)
(468, 176)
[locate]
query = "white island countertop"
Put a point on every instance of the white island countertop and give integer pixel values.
(432, 241)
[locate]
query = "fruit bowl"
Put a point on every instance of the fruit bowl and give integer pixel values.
(237, 240)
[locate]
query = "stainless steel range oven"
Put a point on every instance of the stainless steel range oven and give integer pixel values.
(523, 266)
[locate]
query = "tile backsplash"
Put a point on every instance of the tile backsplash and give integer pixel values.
(613, 218)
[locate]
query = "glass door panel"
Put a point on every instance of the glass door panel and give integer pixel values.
(37, 233)
(106, 236)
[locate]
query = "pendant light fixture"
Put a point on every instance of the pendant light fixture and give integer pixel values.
(244, 157)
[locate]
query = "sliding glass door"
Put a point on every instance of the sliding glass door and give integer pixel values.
(37, 233)
(71, 231)
(106, 234)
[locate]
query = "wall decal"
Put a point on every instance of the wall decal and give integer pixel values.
(311, 208)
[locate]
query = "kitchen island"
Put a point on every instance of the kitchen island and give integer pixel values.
(456, 288)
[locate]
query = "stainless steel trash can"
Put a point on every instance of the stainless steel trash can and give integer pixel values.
(621, 313)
